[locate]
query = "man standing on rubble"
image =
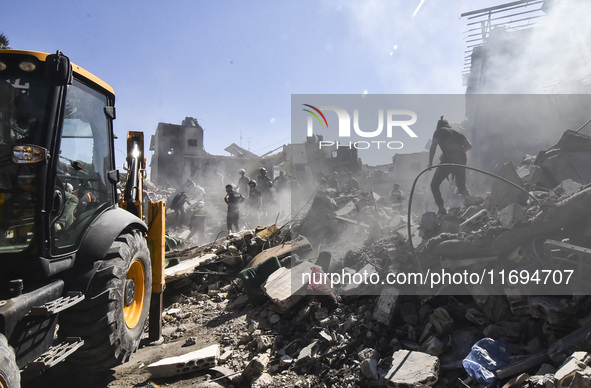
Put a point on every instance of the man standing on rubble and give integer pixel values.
(233, 199)
(255, 204)
(243, 182)
(454, 146)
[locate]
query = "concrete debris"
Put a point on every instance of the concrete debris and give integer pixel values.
(511, 215)
(255, 367)
(284, 286)
(411, 369)
(195, 361)
(386, 306)
(368, 336)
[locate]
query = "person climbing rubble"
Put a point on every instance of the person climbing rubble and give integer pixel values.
(454, 146)
(178, 205)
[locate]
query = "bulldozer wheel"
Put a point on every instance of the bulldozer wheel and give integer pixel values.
(112, 318)
(10, 376)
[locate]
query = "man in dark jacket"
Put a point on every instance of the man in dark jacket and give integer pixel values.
(454, 146)
(233, 199)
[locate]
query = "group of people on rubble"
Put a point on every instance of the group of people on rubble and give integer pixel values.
(256, 200)
(260, 196)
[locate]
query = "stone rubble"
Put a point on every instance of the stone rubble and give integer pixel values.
(389, 338)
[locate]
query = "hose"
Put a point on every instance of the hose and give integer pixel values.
(408, 224)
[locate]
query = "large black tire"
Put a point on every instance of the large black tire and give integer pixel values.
(10, 376)
(112, 318)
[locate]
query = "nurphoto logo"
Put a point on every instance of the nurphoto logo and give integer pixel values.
(395, 119)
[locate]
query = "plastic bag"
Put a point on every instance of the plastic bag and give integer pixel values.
(486, 357)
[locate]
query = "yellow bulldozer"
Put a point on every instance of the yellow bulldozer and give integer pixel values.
(81, 271)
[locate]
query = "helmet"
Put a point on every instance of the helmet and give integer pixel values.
(263, 170)
(200, 203)
(242, 171)
(252, 183)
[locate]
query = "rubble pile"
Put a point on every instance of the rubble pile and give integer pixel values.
(270, 330)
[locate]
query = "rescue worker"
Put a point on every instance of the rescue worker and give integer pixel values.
(396, 197)
(178, 205)
(243, 182)
(352, 183)
(454, 146)
(333, 182)
(197, 222)
(268, 192)
(233, 199)
(255, 204)
(280, 181)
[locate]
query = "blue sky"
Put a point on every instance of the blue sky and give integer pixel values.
(234, 65)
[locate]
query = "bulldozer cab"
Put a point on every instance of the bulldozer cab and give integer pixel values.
(56, 161)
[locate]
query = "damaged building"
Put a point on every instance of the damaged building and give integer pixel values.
(178, 155)
(525, 81)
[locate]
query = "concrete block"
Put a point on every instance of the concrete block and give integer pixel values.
(369, 369)
(256, 367)
(411, 369)
(198, 360)
(307, 352)
(441, 321)
(284, 286)
(432, 346)
(567, 188)
(580, 380)
(387, 303)
(476, 220)
(573, 364)
(511, 215)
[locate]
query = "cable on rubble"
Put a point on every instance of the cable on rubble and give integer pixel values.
(414, 183)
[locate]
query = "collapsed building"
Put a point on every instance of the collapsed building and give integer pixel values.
(526, 77)
(179, 155)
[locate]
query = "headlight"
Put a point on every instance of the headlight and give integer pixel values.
(27, 66)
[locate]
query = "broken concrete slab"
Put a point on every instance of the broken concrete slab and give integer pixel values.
(307, 353)
(284, 286)
(255, 367)
(432, 346)
(511, 215)
(567, 188)
(186, 267)
(369, 369)
(573, 364)
(476, 221)
(198, 360)
(386, 305)
(411, 369)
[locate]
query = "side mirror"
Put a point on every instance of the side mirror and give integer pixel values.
(113, 176)
(58, 69)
